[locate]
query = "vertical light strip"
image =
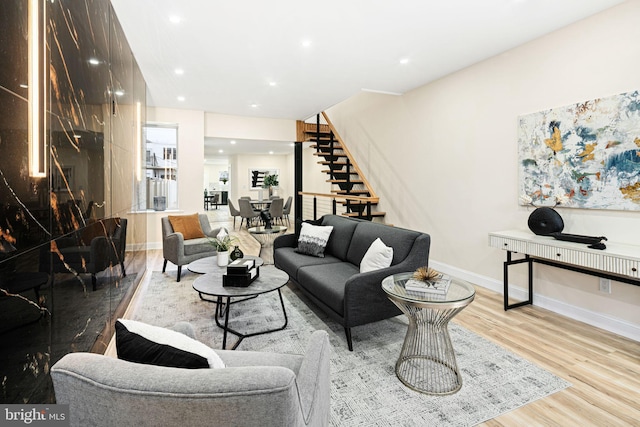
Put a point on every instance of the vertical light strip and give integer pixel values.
(138, 142)
(37, 93)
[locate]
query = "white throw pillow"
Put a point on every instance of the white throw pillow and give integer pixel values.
(377, 256)
(142, 343)
(313, 239)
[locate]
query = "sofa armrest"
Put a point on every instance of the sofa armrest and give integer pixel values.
(285, 241)
(100, 253)
(173, 246)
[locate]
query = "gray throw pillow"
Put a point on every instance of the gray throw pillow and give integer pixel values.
(313, 239)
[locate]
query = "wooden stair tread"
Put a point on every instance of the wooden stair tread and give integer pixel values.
(326, 162)
(351, 181)
(336, 146)
(325, 153)
(339, 171)
(351, 193)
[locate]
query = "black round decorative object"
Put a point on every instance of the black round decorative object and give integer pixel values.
(545, 221)
(236, 254)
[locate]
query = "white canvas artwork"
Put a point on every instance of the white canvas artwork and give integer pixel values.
(585, 154)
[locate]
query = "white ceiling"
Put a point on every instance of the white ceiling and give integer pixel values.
(232, 51)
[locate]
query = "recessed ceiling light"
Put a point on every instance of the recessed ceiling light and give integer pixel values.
(181, 98)
(119, 92)
(220, 151)
(306, 43)
(232, 141)
(272, 84)
(293, 144)
(179, 71)
(404, 61)
(174, 19)
(94, 61)
(254, 105)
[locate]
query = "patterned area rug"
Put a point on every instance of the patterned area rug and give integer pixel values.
(364, 388)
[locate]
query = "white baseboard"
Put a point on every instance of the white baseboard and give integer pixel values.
(599, 320)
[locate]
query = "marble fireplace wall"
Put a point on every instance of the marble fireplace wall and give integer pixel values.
(67, 267)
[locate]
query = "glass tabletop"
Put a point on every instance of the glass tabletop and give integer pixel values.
(459, 291)
(263, 230)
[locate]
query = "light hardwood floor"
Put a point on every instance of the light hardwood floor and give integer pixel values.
(603, 368)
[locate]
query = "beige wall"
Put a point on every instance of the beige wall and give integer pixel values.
(226, 126)
(443, 158)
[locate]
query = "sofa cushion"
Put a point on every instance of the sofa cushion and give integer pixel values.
(188, 225)
(377, 256)
(313, 239)
(343, 228)
(326, 282)
(142, 343)
(400, 239)
(198, 246)
(290, 261)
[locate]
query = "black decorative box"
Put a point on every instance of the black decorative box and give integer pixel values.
(240, 280)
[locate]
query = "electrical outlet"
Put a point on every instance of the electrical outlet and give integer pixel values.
(605, 286)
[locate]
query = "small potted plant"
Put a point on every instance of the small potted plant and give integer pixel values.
(223, 244)
(269, 182)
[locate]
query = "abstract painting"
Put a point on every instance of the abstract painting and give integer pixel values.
(256, 176)
(585, 155)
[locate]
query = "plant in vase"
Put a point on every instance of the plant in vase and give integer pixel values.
(269, 182)
(223, 243)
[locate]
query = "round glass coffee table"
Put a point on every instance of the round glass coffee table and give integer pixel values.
(427, 362)
(270, 279)
(266, 236)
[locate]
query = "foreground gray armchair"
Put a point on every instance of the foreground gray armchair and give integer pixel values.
(255, 389)
(181, 251)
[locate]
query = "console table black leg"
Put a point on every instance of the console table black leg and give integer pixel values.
(527, 259)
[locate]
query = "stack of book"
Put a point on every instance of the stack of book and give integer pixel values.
(439, 286)
(241, 273)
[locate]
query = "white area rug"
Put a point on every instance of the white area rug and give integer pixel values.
(364, 388)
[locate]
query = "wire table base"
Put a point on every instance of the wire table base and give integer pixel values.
(427, 361)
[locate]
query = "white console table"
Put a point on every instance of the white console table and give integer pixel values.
(617, 262)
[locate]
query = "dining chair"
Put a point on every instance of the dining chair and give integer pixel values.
(234, 212)
(287, 209)
(247, 213)
(276, 209)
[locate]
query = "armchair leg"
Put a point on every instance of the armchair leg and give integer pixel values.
(124, 273)
(94, 281)
(164, 266)
(347, 332)
(179, 272)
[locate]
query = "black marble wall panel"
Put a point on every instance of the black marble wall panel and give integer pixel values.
(64, 272)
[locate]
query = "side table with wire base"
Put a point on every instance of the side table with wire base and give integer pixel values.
(427, 361)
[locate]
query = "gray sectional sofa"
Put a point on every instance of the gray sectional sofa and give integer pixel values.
(335, 283)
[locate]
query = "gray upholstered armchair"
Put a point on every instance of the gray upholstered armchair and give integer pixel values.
(92, 249)
(181, 251)
(255, 389)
